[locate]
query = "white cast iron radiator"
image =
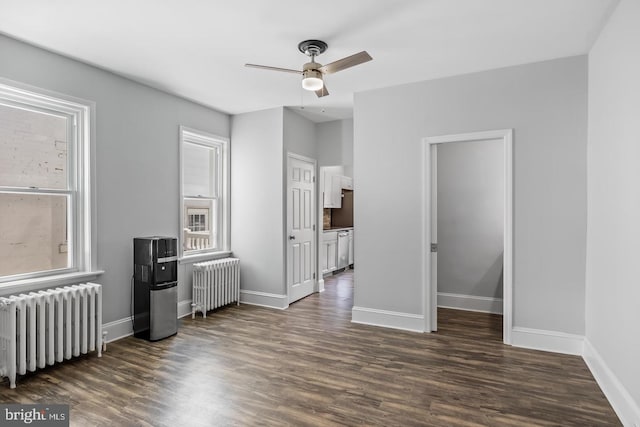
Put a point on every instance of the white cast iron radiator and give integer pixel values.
(215, 283)
(46, 327)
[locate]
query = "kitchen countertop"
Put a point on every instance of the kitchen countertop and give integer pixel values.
(337, 229)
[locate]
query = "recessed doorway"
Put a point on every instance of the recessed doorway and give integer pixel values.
(468, 231)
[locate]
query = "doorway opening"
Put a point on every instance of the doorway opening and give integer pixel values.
(468, 234)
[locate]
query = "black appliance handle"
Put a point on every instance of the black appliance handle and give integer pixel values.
(160, 286)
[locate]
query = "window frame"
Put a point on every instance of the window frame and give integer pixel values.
(81, 186)
(222, 201)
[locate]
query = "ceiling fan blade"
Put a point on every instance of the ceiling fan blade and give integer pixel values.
(265, 67)
(344, 63)
(322, 92)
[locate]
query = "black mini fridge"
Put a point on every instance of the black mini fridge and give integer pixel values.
(155, 282)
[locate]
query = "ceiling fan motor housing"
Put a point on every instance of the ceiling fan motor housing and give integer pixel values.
(311, 77)
(311, 66)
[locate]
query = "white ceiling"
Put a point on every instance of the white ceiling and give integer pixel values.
(197, 48)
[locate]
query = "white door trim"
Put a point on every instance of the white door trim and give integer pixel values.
(429, 291)
(314, 220)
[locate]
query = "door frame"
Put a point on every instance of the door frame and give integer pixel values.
(430, 302)
(314, 258)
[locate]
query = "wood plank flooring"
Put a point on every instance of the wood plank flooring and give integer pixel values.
(470, 324)
(309, 365)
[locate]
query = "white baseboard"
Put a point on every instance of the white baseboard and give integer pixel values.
(264, 299)
(184, 308)
(321, 285)
(623, 404)
(388, 319)
(538, 339)
(118, 329)
(470, 303)
(123, 327)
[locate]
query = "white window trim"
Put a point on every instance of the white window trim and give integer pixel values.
(84, 214)
(209, 140)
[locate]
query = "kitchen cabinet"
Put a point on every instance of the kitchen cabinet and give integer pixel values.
(346, 182)
(329, 251)
(336, 250)
(332, 191)
(332, 182)
(330, 187)
(333, 186)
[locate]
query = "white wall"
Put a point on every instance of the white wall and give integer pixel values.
(299, 134)
(257, 213)
(136, 158)
(260, 142)
(546, 105)
(335, 144)
(613, 227)
(329, 141)
(300, 138)
(347, 146)
(470, 218)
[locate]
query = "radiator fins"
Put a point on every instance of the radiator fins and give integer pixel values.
(47, 327)
(215, 284)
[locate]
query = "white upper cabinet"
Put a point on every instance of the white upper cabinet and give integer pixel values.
(346, 182)
(330, 189)
(333, 192)
(333, 183)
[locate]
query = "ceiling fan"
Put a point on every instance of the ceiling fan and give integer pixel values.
(312, 72)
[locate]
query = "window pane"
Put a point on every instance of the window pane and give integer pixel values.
(199, 170)
(33, 149)
(33, 233)
(200, 224)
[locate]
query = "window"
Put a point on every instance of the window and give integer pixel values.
(204, 183)
(44, 185)
(198, 219)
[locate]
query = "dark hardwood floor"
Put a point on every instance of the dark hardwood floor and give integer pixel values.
(309, 365)
(470, 324)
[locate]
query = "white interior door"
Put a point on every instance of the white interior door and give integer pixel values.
(301, 234)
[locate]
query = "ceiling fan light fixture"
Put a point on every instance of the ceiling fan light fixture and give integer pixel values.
(312, 80)
(313, 72)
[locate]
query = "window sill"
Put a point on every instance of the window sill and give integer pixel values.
(190, 259)
(38, 283)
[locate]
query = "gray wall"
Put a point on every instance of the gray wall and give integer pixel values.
(613, 230)
(335, 144)
(257, 213)
(260, 142)
(136, 154)
(546, 104)
(329, 140)
(347, 146)
(470, 218)
(299, 134)
(300, 138)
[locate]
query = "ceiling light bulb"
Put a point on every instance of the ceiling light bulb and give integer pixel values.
(312, 80)
(312, 83)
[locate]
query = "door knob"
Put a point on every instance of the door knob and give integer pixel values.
(292, 237)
